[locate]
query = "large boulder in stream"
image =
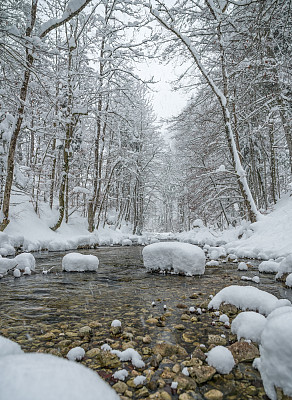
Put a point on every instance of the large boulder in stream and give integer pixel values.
(174, 257)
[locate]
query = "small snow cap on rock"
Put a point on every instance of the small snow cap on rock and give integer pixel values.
(249, 325)
(27, 271)
(116, 323)
(242, 266)
(50, 378)
(221, 358)
(285, 267)
(76, 262)
(178, 258)
(76, 354)
(16, 273)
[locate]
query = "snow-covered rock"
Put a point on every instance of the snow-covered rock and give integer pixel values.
(76, 354)
(8, 347)
(248, 297)
(127, 242)
(212, 263)
(279, 311)
(242, 266)
(254, 279)
(116, 323)
(6, 248)
(285, 267)
(221, 359)
(35, 376)
(276, 354)
(249, 325)
(79, 262)
(16, 273)
(121, 374)
(139, 380)
(288, 281)
(25, 260)
(216, 252)
(6, 264)
(175, 257)
(130, 355)
(269, 266)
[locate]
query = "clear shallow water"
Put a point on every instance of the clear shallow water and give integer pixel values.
(121, 289)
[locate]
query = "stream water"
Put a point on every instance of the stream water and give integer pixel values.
(60, 303)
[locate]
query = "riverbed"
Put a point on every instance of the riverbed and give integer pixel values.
(45, 312)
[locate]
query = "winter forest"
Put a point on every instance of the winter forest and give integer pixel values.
(78, 132)
(145, 253)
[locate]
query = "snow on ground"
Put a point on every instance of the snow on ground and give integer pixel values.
(248, 297)
(249, 325)
(221, 359)
(76, 262)
(34, 376)
(269, 266)
(285, 267)
(276, 354)
(174, 257)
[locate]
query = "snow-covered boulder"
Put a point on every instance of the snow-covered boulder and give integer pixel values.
(248, 297)
(8, 347)
(216, 252)
(221, 358)
(76, 262)
(35, 376)
(127, 242)
(279, 311)
(269, 266)
(242, 266)
(285, 267)
(276, 354)
(6, 264)
(249, 325)
(179, 258)
(288, 281)
(24, 260)
(6, 248)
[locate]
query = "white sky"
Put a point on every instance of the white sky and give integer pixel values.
(166, 102)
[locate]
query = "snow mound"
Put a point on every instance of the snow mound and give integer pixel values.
(24, 260)
(288, 281)
(6, 264)
(139, 380)
(130, 355)
(279, 311)
(8, 347)
(212, 263)
(242, 266)
(269, 266)
(254, 279)
(79, 262)
(276, 354)
(221, 358)
(179, 258)
(127, 242)
(37, 376)
(285, 267)
(216, 252)
(248, 297)
(121, 374)
(249, 325)
(76, 354)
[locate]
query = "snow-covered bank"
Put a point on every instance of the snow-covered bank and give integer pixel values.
(269, 238)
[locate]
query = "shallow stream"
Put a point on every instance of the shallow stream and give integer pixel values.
(44, 312)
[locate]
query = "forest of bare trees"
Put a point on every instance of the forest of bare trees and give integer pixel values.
(77, 129)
